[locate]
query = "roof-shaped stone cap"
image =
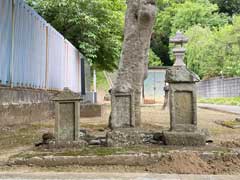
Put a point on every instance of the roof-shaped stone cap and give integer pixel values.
(67, 95)
(178, 74)
(179, 38)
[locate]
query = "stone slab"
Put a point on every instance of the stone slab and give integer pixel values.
(67, 111)
(184, 138)
(183, 107)
(123, 114)
(66, 122)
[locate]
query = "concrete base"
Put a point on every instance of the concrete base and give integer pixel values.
(184, 138)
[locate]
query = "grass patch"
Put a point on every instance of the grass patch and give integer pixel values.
(231, 124)
(22, 135)
(102, 81)
(235, 101)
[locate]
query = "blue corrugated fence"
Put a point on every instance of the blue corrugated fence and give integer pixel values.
(32, 53)
(5, 40)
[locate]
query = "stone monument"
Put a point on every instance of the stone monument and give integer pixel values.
(67, 111)
(182, 100)
(126, 92)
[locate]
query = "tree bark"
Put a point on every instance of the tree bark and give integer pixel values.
(139, 21)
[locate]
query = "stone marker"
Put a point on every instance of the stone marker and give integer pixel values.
(126, 92)
(67, 110)
(183, 100)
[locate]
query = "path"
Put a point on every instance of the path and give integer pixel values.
(221, 108)
(108, 176)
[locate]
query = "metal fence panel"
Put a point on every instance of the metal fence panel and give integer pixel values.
(32, 53)
(219, 87)
(88, 76)
(56, 60)
(5, 40)
(73, 68)
(29, 60)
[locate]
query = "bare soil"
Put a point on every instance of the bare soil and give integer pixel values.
(15, 139)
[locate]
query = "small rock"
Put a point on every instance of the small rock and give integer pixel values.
(82, 133)
(238, 119)
(158, 137)
(95, 142)
(101, 130)
(154, 142)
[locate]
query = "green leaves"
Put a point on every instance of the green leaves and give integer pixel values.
(154, 60)
(228, 6)
(95, 26)
(200, 19)
(214, 52)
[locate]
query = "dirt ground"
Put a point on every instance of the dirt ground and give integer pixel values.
(15, 139)
(154, 118)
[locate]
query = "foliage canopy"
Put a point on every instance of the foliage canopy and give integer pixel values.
(96, 28)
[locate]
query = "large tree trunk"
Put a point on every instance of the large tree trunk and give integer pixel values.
(139, 21)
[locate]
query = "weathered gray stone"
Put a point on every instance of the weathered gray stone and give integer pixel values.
(183, 101)
(128, 137)
(67, 110)
(95, 142)
(123, 111)
(181, 74)
(133, 65)
(66, 144)
(183, 106)
(184, 138)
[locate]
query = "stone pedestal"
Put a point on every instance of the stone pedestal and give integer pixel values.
(123, 111)
(183, 108)
(67, 110)
(183, 101)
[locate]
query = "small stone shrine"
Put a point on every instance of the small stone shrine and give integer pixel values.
(182, 100)
(67, 110)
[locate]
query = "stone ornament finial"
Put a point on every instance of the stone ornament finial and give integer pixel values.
(179, 51)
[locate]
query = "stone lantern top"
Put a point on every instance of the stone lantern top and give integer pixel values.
(179, 72)
(67, 95)
(179, 51)
(179, 39)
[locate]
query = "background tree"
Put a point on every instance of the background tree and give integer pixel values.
(215, 52)
(228, 6)
(181, 15)
(95, 26)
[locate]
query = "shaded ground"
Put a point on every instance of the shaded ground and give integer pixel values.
(17, 139)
